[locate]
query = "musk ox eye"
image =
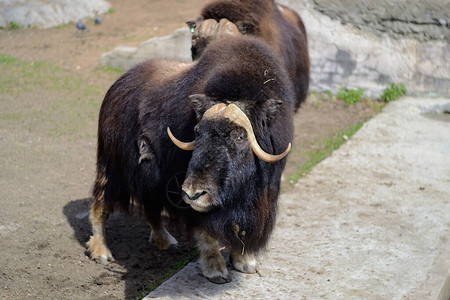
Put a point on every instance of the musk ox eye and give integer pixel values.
(240, 138)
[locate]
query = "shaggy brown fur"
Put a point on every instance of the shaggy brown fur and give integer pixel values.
(278, 25)
(136, 159)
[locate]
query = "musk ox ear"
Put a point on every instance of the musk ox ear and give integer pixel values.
(246, 27)
(191, 24)
(198, 102)
(271, 107)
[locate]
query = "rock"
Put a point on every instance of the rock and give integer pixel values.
(422, 20)
(175, 46)
(343, 56)
(49, 13)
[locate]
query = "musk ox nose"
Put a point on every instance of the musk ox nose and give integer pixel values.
(194, 195)
(197, 198)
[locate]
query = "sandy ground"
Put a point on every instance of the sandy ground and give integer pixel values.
(47, 156)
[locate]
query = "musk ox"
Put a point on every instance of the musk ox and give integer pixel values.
(278, 25)
(223, 124)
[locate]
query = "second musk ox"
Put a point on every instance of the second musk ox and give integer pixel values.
(277, 25)
(223, 125)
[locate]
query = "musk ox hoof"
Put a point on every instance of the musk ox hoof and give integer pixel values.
(98, 250)
(244, 263)
(220, 279)
(173, 249)
(214, 268)
(163, 239)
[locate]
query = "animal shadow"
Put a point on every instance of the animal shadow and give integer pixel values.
(127, 236)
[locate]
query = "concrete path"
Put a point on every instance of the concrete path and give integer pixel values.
(372, 221)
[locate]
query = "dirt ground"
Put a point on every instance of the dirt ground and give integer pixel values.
(49, 101)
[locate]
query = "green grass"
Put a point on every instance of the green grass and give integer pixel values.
(110, 69)
(13, 25)
(393, 92)
(350, 96)
(326, 148)
(70, 23)
(5, 59)
(329, 93)
(47, 99)
(177, 266)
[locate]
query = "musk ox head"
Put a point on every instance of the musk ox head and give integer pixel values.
(203, 31)
(224, 153)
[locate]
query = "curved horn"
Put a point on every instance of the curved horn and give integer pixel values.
(214, 110)
(226, 27)
(236, 115)
(189, 146)
(182, 145)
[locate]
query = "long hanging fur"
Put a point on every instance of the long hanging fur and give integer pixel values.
(135, 157)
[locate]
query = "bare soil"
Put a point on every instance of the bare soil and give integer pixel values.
(48, 115)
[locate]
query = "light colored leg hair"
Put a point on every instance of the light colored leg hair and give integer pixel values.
(97, 243)
(244, 263)
(212, 263)
(98, 217)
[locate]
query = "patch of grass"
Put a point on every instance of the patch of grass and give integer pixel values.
(110, 69)
(376, 106)
(351, 96)
(13, 25)
(70, 23)
(111, 11)
(46, 99)
(177, 266)
(327, 147)
(393, 92)
(12, 117)
(329, 93)
(6, 59)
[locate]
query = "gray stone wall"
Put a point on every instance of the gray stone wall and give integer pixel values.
(343, 55)
(48, 13)
(421, 20)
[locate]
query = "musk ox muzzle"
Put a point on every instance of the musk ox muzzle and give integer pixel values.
(198, 198)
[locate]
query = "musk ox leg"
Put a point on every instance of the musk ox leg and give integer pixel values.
(97, 243)
(160, 236)
(212, 263)
(98, 217)
(244, 263)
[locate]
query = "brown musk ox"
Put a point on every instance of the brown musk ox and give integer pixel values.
(278, 25)
(225, 123)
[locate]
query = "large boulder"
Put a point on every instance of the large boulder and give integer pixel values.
(48, 13)
(175, 46)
